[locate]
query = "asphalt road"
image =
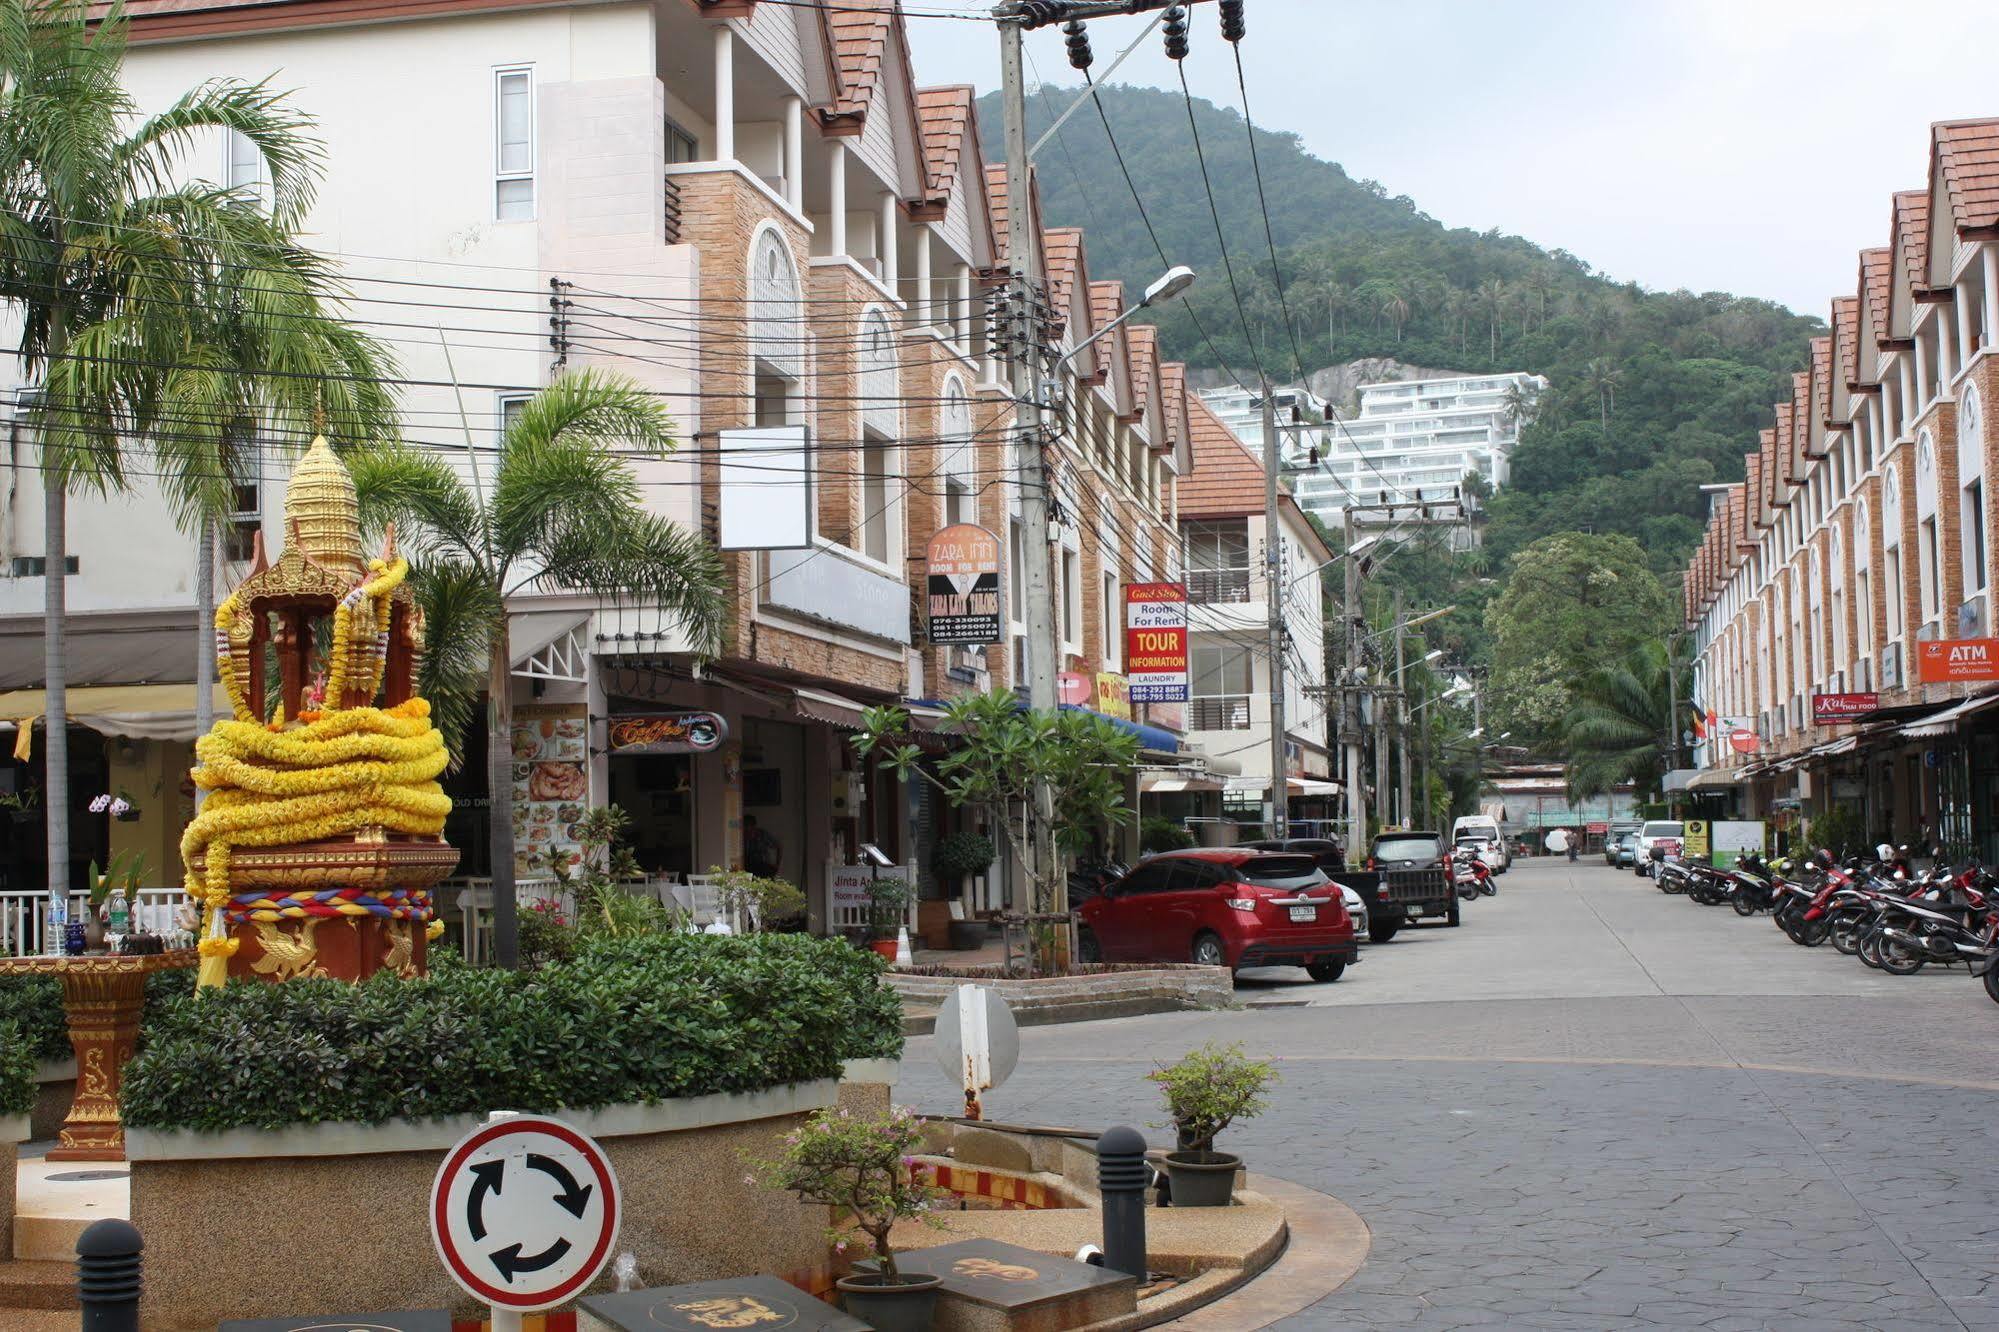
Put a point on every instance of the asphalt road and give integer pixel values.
(1595, 1106)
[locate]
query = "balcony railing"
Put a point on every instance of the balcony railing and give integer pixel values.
(1219, 713)
(1208, 586)
(672, 236)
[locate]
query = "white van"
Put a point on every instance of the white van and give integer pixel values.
(1486, 827)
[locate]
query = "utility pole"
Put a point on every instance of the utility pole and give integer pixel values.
(1672, 728)
(1402, 813)
(1350, 736)
(1382, 787)
(1423, 764)
(1279, 819)
(1025, 337)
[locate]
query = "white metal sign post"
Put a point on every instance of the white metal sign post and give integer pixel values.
(977, 1042)
(524, 1212)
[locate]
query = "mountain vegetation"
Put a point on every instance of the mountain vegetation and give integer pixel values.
(1653, 393)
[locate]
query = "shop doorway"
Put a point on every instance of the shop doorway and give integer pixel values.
(774, 794)
(657, 792)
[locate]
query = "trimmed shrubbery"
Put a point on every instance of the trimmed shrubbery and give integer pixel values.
(17, 1072)
(33, 1005)
(625, 1020)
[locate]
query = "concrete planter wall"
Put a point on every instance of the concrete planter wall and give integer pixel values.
(13, 1130)
(342, 1207)
(1097, 994)
(57, 1082)
(867, 1086)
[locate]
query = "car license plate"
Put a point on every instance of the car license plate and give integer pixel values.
(1304, 914)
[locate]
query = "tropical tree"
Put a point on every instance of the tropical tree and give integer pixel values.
(1492, 296)
(1620, 726)
(1603, 377)
(1395, 309)
(558, 509)
(128, 286)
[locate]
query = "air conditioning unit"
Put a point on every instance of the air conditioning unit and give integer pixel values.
(1863, 675)
(1891, 666)
(1971, 619)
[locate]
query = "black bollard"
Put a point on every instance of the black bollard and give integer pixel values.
(107, 1276)
(1121, 1181)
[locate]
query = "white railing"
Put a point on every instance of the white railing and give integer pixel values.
(24, 915)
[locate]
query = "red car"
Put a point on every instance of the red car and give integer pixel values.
(1230, 907)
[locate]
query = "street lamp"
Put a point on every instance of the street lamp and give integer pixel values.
(1165, 287)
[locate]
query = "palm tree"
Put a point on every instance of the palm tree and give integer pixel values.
(1621, 721)
(1603, 377)
(559, 510)
(118, 274)
(1458, 307)
(1541, 282)
(1519, 406)
(1339, 301)
(1492, 295)
(1395, 309)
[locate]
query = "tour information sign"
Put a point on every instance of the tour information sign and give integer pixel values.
(524, 1211)
(1155, 642)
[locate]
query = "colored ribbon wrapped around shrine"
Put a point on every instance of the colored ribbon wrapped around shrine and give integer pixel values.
(398, 904)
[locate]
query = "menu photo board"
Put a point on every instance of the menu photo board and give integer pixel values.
(551, 746)
(963, 586)
(1155, 642)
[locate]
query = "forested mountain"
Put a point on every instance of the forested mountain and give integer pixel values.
(1654, 393)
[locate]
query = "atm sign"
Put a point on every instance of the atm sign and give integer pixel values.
(1953, 659)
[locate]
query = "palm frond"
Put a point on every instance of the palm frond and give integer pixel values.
(418, 491)
(461, 611)
(293, 158)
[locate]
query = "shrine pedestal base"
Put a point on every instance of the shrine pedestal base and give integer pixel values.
(349, 948)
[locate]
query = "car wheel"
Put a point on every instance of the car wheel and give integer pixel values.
(1208, 950)
(1087, 947)
(1382, 933)
(1451, 917)
(1327, 971)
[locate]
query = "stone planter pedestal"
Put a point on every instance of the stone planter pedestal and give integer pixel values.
(13, 1131)
(345, 1204)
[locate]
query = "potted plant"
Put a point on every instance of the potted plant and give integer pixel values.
(1157, 834)
(863, 1167)
(1206, 1091)
(766, 905)
(888, 899)
(959, 857)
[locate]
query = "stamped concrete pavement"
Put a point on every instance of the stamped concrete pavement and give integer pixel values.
(1594, 1106)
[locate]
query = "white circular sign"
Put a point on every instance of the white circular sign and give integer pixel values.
(524, 1212)
(1002, 1037)
(1558, 840)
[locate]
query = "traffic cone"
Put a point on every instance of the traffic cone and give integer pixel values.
(903, 956)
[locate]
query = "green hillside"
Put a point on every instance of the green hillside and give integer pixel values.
(1655, 393)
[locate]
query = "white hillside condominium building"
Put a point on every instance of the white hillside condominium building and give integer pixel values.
(1414, 439)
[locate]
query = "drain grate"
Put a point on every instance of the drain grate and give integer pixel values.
(86, 1176)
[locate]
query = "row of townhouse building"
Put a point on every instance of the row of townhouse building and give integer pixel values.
(1842, 601)
(754, 210)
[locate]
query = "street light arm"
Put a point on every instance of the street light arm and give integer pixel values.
(1175, 280)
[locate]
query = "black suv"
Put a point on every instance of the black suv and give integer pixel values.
(1412, 882)
(1327, 853)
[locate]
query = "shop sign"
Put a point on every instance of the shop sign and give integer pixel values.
(825, 585)
(1155, 641)
(1841, 709)
(1113, 696)
(964, 586)
(668, 733)
(1697, 839)
(1743, 740)
(1947, 660)
(551, 748)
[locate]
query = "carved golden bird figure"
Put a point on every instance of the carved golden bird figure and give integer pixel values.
(286, 956)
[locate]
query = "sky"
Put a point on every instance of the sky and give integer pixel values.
(1748, 146)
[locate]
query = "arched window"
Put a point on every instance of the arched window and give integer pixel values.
(1971, 503)
(1968, 417)
(1836, 575)
(777, 317)
(878, 373)
(876, 359)
(959, 463)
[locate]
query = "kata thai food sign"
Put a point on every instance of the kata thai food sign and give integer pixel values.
(964, 586)
(1947, 660)
(1839, 709)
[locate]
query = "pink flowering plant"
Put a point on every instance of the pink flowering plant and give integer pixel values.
(862, 1166)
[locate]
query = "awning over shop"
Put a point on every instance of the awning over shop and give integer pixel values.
(1943, 723)
(549, 645)
(1298, 786)
(828, 708)
(141, 712)
(1156, 782)
(1152, 737)
(107, 649)
(1710, 778)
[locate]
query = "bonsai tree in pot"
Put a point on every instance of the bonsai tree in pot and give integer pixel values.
(764, 904)
(1207, 1090)
(888, 900)
(862, 1166)
(958, 858)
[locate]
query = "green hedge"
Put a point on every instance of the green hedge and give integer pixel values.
(634, 1020)
(33, 1004)
(17, 1072)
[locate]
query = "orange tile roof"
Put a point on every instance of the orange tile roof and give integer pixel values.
(1786, 444)
(1106, 302)
(1801, 417)
(1912, 233)
(1752, 469)
(945, 116)
(1967, 152)
(1143, 339)
(1175, 402)
(1227, 481)
(1062, 247)
(1821, 380)
(1846, 333)
(1874, 271)
(861, 31)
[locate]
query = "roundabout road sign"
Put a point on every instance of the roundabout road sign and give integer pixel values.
(524, 1211)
